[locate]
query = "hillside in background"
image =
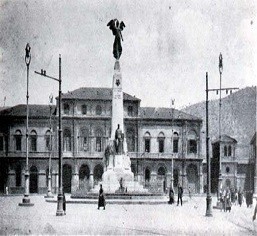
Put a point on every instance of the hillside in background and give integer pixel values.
(238, 118)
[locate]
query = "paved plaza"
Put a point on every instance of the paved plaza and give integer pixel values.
(134, 219)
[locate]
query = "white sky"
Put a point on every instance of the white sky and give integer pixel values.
(168, 47)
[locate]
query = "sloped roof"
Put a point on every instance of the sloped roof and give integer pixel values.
(3, 108)
(95, 94)
(34, 111)
(225, 138)
(165, 113)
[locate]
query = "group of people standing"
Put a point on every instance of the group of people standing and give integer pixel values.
(234, 196)
(180, 195)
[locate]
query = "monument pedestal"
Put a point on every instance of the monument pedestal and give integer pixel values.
(118, 177)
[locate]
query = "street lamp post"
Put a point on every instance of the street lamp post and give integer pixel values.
(59, 211)
(26, 199)
(220, 161)
(218, 90)
(208, 198)
(49, 190)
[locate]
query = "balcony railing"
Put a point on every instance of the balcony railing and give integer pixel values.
(147, 155)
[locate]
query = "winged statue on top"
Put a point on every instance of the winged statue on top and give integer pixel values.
(116, 28)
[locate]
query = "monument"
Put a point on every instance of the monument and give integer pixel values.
(118, 176)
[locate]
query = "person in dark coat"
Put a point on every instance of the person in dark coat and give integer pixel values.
(240, 197)
(171, 196)
(228, 200)
(101, 199)
(64, 204)
(180, 194)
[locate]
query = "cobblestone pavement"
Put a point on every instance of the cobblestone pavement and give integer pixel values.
(162, 219)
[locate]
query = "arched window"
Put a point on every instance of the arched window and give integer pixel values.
(66, 108)
(99, 136)
(33, 141)
(229, 151)
(225, 151)
(84, 140)
(18, 176)
(84, 109)
(84, 172)
(98, 172)
(175, 142)
(192, 142)
(66, 140)
(131, 140)
(48, 140)
(98, 110)
(147, 138)
(161, 139)
(17, 138)
(161, 171)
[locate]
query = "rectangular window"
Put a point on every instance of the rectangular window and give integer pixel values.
(48, 142)
(98, 144)
(175, 146)
(84, 144)
(66, 108)
(33, 143)
(84, 109)
(192, 146)
(161, 145)
(130, 111)
(1, 143)
(67, 144)
(18, 142)
(147, 145)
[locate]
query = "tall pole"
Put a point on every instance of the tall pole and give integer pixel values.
(208, 198)
(59, 211)
(220, 151)
(60, 189)
(255, 149)
(26, 199)
(172, 156)
(49, 190)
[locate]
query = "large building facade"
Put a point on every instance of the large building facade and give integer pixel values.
(164, 144)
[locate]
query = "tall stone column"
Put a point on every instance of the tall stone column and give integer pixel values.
(117, 101)
(42, 187)
(75, 178)
(91, 178)
(201, 177)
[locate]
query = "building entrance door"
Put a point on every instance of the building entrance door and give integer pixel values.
(33, 180)
(66, 178)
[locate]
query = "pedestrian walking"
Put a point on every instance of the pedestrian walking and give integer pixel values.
(171, 196)
(223, 199)
(64, 204)
(240, 197)
(180, 195)
(101, 198)
(236, 197)
(189, 192)
(249, 198)
(232, 195)
(228, 200)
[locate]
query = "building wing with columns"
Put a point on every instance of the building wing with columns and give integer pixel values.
(163, 144)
